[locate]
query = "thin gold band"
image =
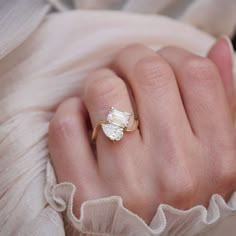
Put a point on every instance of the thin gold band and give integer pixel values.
(134, 127)
(95, 129)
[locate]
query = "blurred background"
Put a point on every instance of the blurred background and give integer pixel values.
(234, 41)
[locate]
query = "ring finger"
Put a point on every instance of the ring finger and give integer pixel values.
(105, 90)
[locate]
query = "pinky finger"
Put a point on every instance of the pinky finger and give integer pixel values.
(70, 150)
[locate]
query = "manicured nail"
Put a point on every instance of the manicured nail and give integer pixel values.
(228, 41)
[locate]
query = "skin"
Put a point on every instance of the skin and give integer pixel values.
(185, 147)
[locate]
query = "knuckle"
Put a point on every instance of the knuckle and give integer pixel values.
(105, 86)
(153, 73)
(202, 71)
(66, 117)
(62, 126)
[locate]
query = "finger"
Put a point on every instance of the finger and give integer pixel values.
(70, 151)
(221, 54)
(201, 89)
(155, 90)
(104, 90)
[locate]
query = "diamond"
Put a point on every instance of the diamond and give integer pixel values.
(112, 131)
(118, 118)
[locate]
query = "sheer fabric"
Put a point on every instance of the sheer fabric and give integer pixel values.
(44, 59)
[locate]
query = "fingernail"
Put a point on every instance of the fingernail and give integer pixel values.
(230, 45)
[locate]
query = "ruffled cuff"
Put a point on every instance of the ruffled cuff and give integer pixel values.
(108, 216)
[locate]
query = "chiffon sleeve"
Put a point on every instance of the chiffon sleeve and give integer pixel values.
(37, 73)
(108, 216)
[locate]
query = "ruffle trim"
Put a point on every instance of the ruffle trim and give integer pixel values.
(108, 216)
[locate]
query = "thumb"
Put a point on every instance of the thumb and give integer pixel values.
(222, 55)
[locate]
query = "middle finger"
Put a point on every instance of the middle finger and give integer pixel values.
(155, 91)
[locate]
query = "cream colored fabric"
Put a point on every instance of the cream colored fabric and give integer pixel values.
(214, 16)
(39, 73)
(18, 19)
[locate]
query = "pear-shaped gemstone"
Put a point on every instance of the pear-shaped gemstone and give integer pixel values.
(114, 132)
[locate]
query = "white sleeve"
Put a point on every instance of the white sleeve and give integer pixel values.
(38, 72)
(108, 216)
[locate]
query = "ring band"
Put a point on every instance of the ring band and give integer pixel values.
(115, 125)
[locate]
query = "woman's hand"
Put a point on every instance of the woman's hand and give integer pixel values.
(185, 148)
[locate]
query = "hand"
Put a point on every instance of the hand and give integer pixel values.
(185, 148)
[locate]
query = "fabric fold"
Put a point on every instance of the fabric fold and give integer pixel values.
(109, 216)
(39, 74)
(18, 21)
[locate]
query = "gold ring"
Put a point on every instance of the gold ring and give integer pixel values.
(115, 125)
